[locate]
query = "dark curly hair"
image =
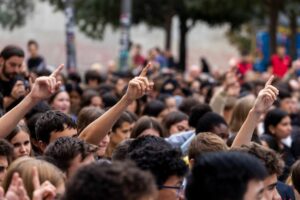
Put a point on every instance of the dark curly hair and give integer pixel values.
(162, 163)
(271, 160)
(114, 181)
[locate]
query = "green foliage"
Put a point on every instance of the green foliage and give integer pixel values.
(13, 13)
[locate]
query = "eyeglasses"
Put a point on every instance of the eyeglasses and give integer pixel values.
(179, 189)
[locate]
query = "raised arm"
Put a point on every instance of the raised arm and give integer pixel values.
(263, 102)
(137, 88)
(42, 88)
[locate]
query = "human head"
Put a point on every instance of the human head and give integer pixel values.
(281, 50)
(187, 104)
(205, 143)
(240, 112)
(166, 166)
(47, 172)
(75, 93)
(296, 176)
(60, 101)
(114, 181)
(277, 123)
(11, 60)
(6, 156)
(285, 101)
(273, 164)
(147, 126)
(20, 139)
(176, 122)
(92, 78)
(33, 47)
(228, 175)
(213, 122)
(197, 112)
(91, 98)
(68, 154)
(52, 125)
(121, 151)
(154, 108)
(122, 129)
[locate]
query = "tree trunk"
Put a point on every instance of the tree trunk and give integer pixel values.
(293, 36)
(168, 32)
(273, 17)
(182, 45)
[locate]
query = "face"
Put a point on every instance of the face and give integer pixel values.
(254, 190)
(283, 129)
(281, 51)
(33, 50)
(21, 143)
(120, 85)
(179, 127)
(174, 193)
(222, 131)
(270, 191)
(3, 168)
(75, 99)
(78, 162)
(150, 131)
(102, 146)
(96, 101)
(121, 133)
(61, 102)
(287, 105)
(171, 103)
(68, 132)
(11, 67)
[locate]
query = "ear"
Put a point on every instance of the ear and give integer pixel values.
(191, 163)
(42, 146)
(272, 129)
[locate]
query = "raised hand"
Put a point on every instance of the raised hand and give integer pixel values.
(16, 190)
(266, 97)
(45, 191)
(139, 86)
(45, 86)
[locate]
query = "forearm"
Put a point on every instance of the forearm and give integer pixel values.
(97, 130)
(245, 133)
(9, 121)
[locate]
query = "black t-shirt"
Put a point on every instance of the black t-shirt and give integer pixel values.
(36, 63)
(5, 87)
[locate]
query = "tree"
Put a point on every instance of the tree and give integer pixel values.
(13, 13)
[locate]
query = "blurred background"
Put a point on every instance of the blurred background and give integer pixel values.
(83, 32)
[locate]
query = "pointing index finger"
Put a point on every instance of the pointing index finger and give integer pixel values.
(145, 70)
(269, 82)
(57, 70)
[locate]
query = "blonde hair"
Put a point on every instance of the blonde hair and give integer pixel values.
(240, 112)
(24, 166)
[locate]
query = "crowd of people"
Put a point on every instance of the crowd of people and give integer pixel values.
(151, 133)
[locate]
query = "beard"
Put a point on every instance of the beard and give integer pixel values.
(6, 74)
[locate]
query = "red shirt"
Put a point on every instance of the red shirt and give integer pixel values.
(280, 65)
(244, 67)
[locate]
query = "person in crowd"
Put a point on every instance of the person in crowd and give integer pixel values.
(68, 154)
(29, 169)
(20, 139)
(176, 122)
(165, 164)
(280, 62)
(6, 157)
(221, 180)
(92, 98)
(274, 189)
(120, 131)
(147, 126)
(11, 61)
(75, 92)
(35, 61)
(295, 176)
(277, 126)
(60, 101)
(114, 181)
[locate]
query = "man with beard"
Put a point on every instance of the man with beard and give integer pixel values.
(11, 60)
